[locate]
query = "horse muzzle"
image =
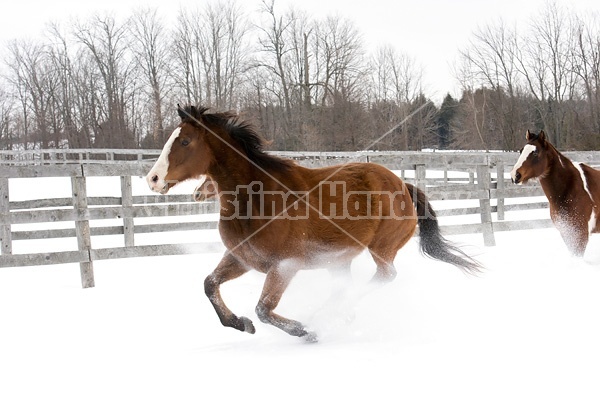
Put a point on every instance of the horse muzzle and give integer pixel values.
(156, 184)
(516, 178)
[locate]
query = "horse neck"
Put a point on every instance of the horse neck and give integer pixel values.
(560, 170)
(227, 178)
(232, 171)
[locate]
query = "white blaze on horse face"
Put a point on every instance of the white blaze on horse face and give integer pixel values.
(527, 150)
(156, 176)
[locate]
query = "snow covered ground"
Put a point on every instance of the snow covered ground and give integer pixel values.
(527, 328)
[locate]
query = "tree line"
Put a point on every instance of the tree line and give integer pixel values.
(307, 83)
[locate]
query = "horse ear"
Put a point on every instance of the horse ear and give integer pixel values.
(530, 136)
(542, 136)
(180, 111)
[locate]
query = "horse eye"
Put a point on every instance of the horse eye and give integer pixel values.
(185, 142)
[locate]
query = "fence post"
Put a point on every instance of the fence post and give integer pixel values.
(82, 228)
(5, 228)
(127, 204)
(483, 182)
(420, 176)
(500, 189)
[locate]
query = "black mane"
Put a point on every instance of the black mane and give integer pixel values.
(242, 132)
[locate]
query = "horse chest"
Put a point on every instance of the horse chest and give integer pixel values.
(575, 209)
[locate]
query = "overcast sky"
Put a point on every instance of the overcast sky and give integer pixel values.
(431, 31)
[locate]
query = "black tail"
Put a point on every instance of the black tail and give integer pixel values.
(433, 244)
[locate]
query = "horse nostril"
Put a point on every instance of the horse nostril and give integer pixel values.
(155, 178)
(517, 177)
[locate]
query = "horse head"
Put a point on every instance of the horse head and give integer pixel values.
(533, 161)
(185, 155)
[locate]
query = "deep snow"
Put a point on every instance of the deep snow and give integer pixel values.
(527, 328)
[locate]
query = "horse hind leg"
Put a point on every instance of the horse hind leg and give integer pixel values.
(386, 271)
(385, 246)
(383, 254)
(276, 282)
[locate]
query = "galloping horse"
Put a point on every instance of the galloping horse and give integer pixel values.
(572, 189)
(278, 217)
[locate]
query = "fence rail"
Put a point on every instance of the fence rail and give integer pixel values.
(481, 177)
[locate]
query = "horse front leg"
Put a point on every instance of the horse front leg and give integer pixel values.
(574, 233)
(277, 280)
(229, 268)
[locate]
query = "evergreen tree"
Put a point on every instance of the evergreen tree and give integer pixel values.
(444, 121)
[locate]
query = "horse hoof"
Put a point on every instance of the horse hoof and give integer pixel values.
(248, 325)
(310, 337)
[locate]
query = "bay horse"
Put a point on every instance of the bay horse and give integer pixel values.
(278, 217)
(572, 189)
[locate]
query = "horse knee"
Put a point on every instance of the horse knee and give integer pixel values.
(210, 286)
(263, 313)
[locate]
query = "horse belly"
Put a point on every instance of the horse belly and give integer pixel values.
(323, 259)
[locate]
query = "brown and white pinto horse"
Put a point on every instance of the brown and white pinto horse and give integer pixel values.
(572, 189)
(278, 217)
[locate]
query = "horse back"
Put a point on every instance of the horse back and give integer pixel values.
(365, 192)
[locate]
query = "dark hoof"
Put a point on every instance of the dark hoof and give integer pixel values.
(248, 326)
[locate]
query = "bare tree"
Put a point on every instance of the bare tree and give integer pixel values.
(223, 51)
(546, 62)
(586, 55)
(67, 109)
(32, 80)
(339, 56)
(308, 82)
(152, 55)
(395, 89)
(396, 76)
(6, 131)
(276, 48)
(339, 66)
(285, 57)
(106, 41)
(211, 48)
(187, 70)
(491, 60)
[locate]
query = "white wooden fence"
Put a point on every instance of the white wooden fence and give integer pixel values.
(445, 176)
